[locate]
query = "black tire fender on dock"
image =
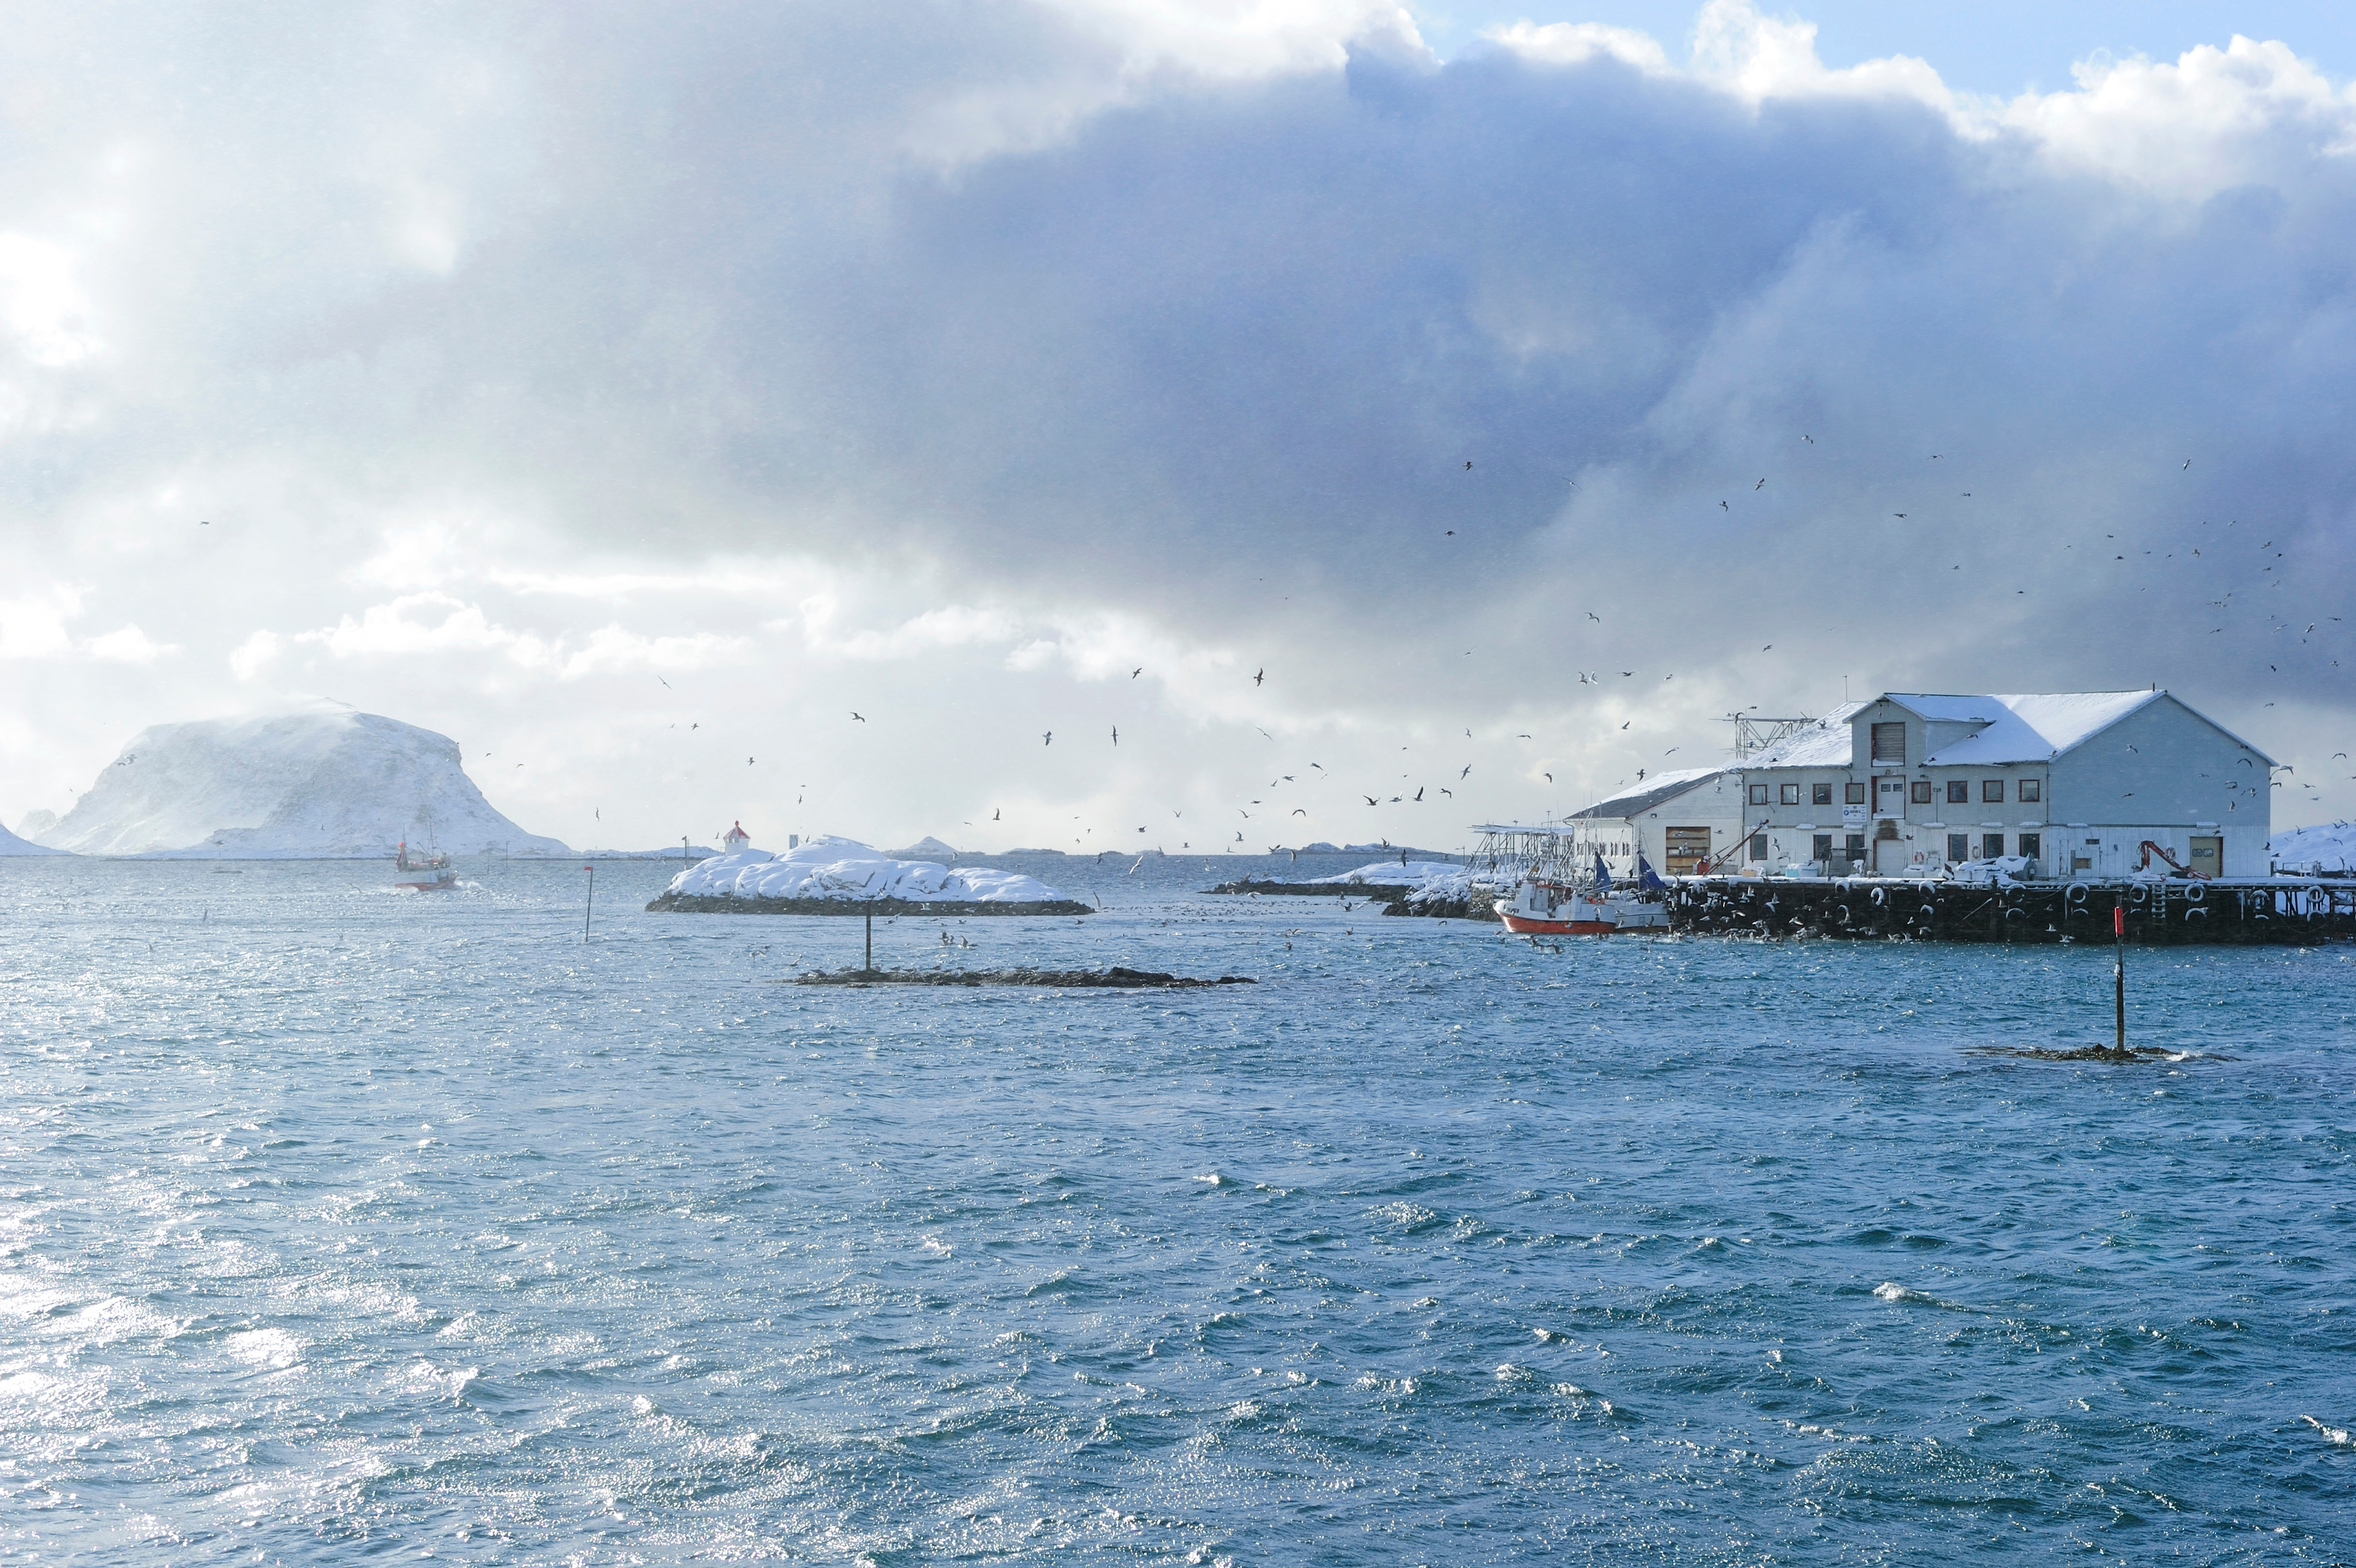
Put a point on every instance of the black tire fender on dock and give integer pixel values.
(2076, 892)
(2196, 894)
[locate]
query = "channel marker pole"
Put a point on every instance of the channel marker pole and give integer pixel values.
(2119, 967)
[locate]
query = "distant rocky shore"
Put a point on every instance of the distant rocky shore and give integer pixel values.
(1434, 899)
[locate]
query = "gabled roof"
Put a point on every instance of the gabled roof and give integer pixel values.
(2020, 727)
(1825, 744)
(2034, 726)
(1659, 787)
(1945, 707)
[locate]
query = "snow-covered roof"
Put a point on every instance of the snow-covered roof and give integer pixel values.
(2034, 726)
(1660, 787)
(2018, 727)
(1825, 744)
(1948, 707)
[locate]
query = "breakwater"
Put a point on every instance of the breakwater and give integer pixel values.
(1395, 898)
(2276, 910)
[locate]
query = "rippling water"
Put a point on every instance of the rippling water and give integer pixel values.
(333, 1220)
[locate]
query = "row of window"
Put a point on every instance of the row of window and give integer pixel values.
(1959, 846)
(1959, 792)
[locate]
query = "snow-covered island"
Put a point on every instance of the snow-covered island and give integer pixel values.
(828, 875)
(323, 784)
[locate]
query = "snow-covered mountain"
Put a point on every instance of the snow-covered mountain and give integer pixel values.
(11, 844)
(301, 786)
(927, 848)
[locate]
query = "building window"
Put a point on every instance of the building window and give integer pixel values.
(1889, 742)
(1991, 845)
(1959, 846)
(1820, 794)
(2032, 791)
(1824, 848)
(1759, 846)
(1855, 848)
(1853, 794)
(2032, 845)
(1758, 794)
(1921, 792)
(1791, 794)
(1992, 791)
(1959, 792)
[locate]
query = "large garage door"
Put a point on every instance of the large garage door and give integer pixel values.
(1689, 850)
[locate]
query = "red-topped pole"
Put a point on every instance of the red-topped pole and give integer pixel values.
(2119, 967)
(591, 903)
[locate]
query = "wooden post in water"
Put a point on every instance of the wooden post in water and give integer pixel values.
(592, 901)
(869, 965)
(2119, 967)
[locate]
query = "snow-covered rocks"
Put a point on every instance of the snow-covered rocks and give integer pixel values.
(318, 785)
(925, 848)
(840, 871)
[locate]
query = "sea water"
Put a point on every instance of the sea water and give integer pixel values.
(339, 1222)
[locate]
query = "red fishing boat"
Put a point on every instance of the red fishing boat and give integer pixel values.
(1542, 907)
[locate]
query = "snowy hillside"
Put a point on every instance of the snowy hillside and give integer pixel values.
(842, 868)
(313, 785)
(11, 844)
(2329, 846)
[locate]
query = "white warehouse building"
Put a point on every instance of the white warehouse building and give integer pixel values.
(1681, 823)
(2100, 784)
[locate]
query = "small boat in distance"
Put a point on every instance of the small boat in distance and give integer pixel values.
(423, 873)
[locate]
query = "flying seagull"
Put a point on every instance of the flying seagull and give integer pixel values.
(1048, 738)
(1261, 674)
(859, 718)
(1116, 740)
(1136, 672)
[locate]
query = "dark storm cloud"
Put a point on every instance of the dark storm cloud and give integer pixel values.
(943, 284)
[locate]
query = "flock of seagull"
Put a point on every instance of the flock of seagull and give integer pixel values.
(1270, 805)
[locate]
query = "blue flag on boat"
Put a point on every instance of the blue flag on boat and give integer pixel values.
(1646, 877)
(1602, 874)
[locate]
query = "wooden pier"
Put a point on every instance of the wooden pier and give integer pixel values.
(2271, 910)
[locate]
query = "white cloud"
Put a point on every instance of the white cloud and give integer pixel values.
(42, 305)
(428, 623)
(2249, 113)
(127, 645)
(815, 362)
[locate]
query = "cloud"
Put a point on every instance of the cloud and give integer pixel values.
(955, 365)
(38, 626)
(408, 627)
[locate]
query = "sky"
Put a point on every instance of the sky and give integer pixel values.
(843, 418)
